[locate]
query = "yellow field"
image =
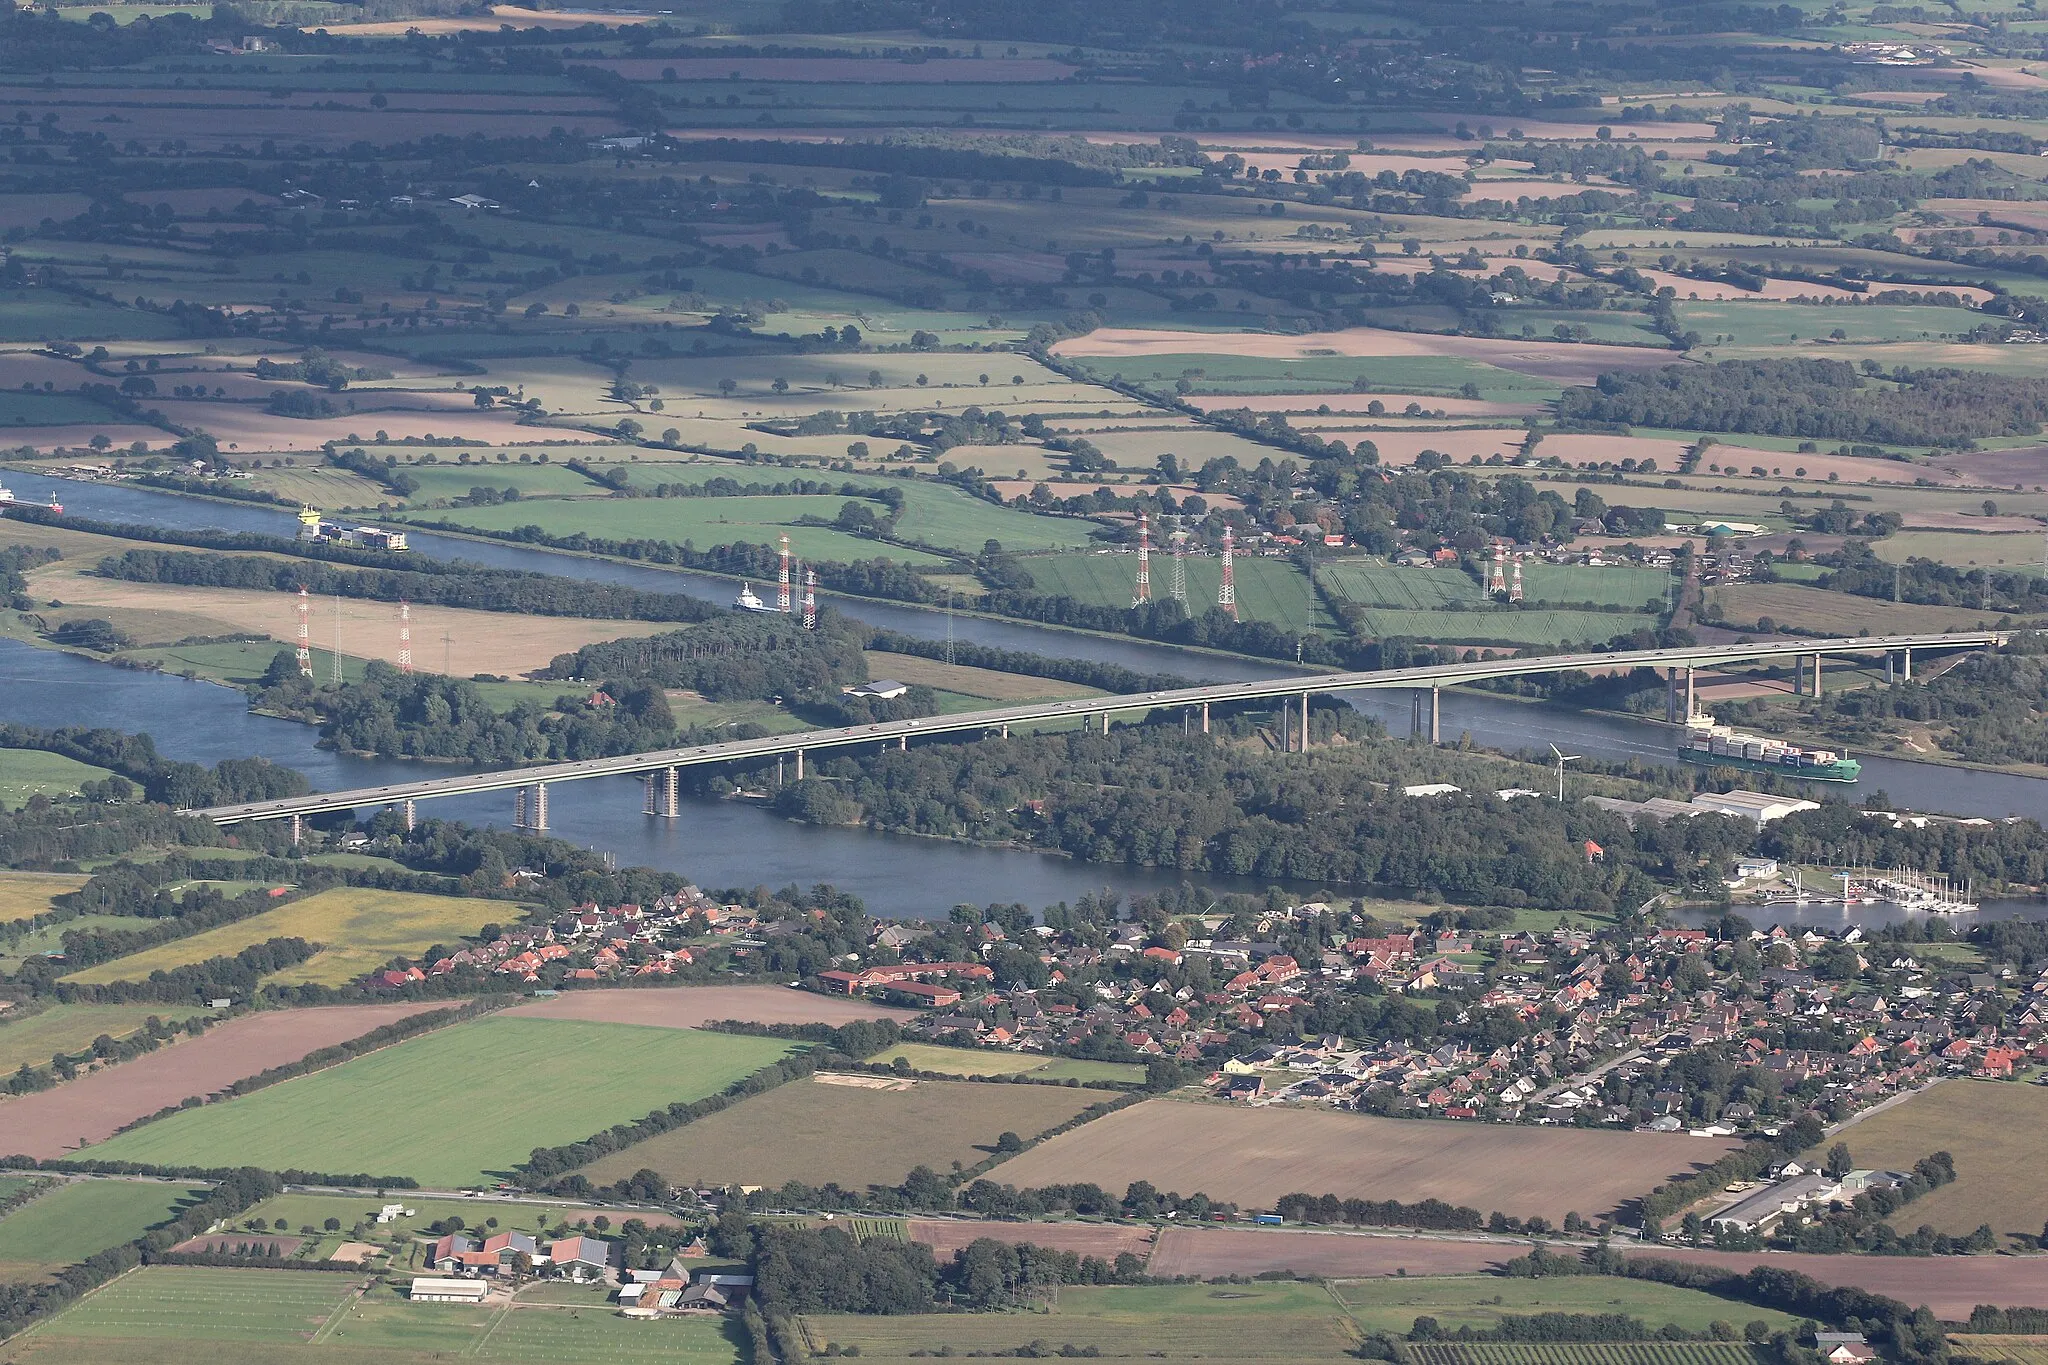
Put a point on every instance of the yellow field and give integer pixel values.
(23, 894)
(968, 681)
(360, 928)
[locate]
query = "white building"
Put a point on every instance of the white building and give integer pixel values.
(1754, 806)
(428, 1289)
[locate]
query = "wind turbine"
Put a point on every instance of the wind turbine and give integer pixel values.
(1562, 759)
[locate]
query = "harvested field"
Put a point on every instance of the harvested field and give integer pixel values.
(483, 641)
(2019, 465)
(2007, 1350)
(853, 1135)
(55, 1122)
(1209, 1252)
(1950, 1285)
(23, 894)
(1993, 1131)
(695, 1006)
(1107, 1240)
(1835, 613)
(1252, 1157)
(1561, 362)
(986, 683)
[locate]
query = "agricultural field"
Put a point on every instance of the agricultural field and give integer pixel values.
(1501, 626)
(1269, 590)
(1252, 1157)
(1984, 1126)
(32, 772)
(1266, 1322)
(694, 1006)
(962, 1061)
(26, 894)
(1749, 605)
(199, 1303)
(2006, 1350)
(359, 929)
(1575, 1353)
(799, 1131)
(1367, 583)
(65, 1225)
(71, 1028)
(1391, 1304)
(574, 1079)
(985, 685)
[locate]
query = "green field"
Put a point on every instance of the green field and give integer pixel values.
(80, 1218)
(1220, 373)
(201, 1303)
(965, 1061)
(360, 929)
(1270, 590)
(505, 1085)
(1272, 1321)
(1504, 626)
(32, 772)
(1622, 585)
(1391, 1305)
(447, 479)
(70, 1029)
(1759, 322)
(1373, 584)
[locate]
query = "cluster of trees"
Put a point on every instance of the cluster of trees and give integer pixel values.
(1332, 1210)
(733, 657)
(421, 581)
(1817, 399)
(181, 785)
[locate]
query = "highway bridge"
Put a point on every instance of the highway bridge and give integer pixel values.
(660, 767)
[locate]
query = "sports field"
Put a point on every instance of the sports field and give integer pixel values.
(855, 1134)
(1252, 1157)
(1267, 1322)
(64, 1226)
(968, 1061)
(70, 1029)
(507, 1085)
(360, 930)
(1991, 1129)
(1270, 590)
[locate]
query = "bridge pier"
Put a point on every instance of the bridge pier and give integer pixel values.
(1304, 722)
(411, 815)
(1816, 676)
(1906, 660)
(298, 831)
(1285, 717)
(530, 808)
(664, 795)
(1006, 732)
(1105, 722)
(902, 742)
(1205, 718)
(1436, 715)
(1431, 715)
(799, 765)
(647, 794)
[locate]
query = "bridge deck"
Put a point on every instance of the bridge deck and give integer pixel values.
(1431, 675)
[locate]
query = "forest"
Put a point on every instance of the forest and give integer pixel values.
(1817, 399)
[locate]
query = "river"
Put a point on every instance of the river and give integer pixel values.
(729, 843)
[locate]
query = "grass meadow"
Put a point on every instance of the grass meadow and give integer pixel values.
(507, 1085)
(1270, 590)
(70, 1029)
(360, 929)
(79, 1218)
(1392, 1304)
(32, 772)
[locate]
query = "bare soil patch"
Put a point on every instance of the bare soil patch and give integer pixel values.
(1107, 1240)
(1242, 1251)
(1252, 1157)
(2022, 464)
(55, 1122)
(695, 1006)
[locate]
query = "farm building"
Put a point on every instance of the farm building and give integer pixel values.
(429, 1289)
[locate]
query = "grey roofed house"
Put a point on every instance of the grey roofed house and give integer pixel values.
(881, 689)
(1776, 1200)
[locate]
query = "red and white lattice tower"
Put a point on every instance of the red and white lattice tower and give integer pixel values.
(810, 599)
(404, 636)
(1515, 584)
(1226, 596)
(1496, 577)
(1141, 590)
(782, 580)
(305, 633)
(1180, 566)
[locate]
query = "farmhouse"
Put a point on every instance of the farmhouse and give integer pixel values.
(427, 1289)
(581, 1258)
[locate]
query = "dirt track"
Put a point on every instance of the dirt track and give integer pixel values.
(56, 1122)
(691, 1006)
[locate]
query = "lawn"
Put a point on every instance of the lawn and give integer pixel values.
(816, 1132)
(1392, 1304)
(703, 522)
(1504, 626)
(967, 1061)
(32, 772)
(80, 1218)
(70, 1029)
(1991, 1129)
(362, 929)
(507, 1085)
(1270, 1321)
(1270, 590)
(207, 1303)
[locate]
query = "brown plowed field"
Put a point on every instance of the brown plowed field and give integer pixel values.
(1107, 1240)
(1209, 1252)
(694, 1006)
(54, 1122)
(1251, 1157)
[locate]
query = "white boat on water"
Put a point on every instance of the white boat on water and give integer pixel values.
(747, 601)
(7, 499)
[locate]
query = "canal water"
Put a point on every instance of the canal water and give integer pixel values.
(729, 843)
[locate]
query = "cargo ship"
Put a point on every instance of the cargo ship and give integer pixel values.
(749, 601)
(7, 499)
(1721, 746)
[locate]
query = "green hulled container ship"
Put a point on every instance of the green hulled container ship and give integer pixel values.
(1723, 747)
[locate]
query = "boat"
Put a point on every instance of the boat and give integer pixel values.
(747, 601)
(1724, 747)
(7, 499)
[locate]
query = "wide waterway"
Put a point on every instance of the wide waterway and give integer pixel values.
(728, 843)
